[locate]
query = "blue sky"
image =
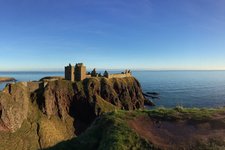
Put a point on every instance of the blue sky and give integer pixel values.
(135, 34)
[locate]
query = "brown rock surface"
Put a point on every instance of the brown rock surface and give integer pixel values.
(82, 99)
(14, 106)
(45, 113)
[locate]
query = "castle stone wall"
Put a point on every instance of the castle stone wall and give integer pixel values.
(119, 75)
(88, 76)
(78, 73)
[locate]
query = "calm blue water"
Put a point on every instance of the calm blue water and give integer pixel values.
(186, 88)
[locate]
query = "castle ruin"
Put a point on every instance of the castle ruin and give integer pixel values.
(79, 73)
(70, 72)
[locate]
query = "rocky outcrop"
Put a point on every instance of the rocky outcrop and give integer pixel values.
(7, 79)
(91, 97)
(14, 106)
(49, 111)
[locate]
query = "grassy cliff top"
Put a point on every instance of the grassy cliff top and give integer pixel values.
(177, 128)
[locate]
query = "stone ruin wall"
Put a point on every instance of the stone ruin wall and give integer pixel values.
(88, 76)
(113, 75)
(119, 75)
(79, 73)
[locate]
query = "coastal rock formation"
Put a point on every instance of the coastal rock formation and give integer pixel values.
(49, 111)
(6, 79)
(91, 97)
(51, 114)
(14, 106)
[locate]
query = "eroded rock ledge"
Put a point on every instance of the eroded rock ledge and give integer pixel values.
(7, 79)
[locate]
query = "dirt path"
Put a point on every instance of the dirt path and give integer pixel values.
(179, 134)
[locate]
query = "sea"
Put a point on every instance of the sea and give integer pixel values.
(175, 88)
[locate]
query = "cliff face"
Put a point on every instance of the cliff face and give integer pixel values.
(87, 99)
(13, 106)
(59, 110)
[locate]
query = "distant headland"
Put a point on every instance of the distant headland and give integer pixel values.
(7, 79)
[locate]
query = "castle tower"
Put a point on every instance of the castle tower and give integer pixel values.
(69, 72)
(94, 73)
(80, 72)
(106, 74)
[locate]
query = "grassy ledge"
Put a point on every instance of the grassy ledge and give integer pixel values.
(113, 131)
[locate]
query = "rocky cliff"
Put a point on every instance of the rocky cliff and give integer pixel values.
(47, 112)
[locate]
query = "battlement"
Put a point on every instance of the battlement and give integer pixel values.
(78, 73)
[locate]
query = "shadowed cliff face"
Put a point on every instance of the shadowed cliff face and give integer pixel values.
(87, 99)
(45, 113)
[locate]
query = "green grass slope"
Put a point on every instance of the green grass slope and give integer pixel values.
(108, 132)
(113, 132)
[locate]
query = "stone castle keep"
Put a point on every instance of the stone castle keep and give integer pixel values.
(79, 73)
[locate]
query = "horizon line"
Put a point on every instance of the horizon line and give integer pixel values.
(101, 69)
